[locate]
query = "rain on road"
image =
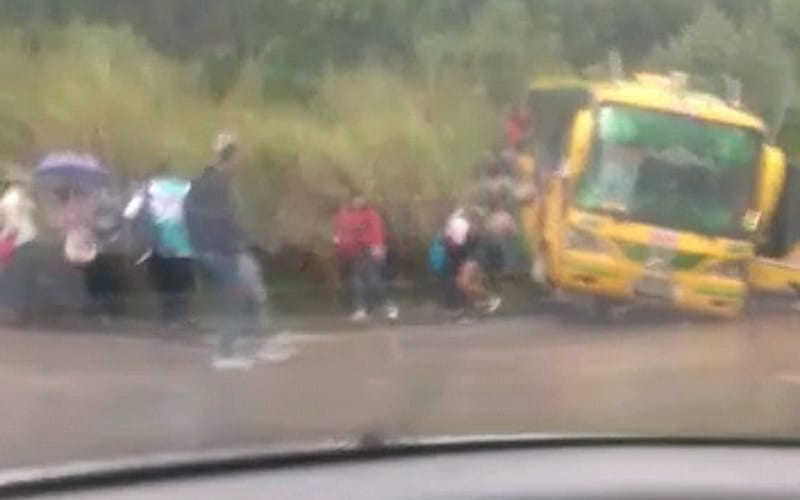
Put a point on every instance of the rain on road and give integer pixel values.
(74, 397)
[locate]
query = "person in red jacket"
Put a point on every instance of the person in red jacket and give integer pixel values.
(513, 131)
(361, 244)
(518, 125)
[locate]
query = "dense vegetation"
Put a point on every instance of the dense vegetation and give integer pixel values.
(398, 97)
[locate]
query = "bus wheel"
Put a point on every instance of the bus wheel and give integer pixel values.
(608, 311)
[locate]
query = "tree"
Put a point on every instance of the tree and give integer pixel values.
(590, 28)
(712, 46)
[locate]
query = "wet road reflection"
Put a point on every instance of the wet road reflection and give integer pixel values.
(93, 396)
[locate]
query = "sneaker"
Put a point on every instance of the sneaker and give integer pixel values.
(177, 326)
(466, 319)
(558, 296)
(105, 320)
(454, 314)
(232, 363)
(276, 354)
(493, 304)
(275, 351)
(392, 312)
(359, 315)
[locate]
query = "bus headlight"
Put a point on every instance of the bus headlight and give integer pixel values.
(734, 269)
(578, 239)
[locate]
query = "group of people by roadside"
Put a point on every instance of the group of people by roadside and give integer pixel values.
(478, 244)
(183, 227)
(484, 240)
(71, 233)
(184, 231)
(76, 234)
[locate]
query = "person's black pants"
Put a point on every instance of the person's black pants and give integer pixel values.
(173, 279)
(18, 280)
(105, 284)
(37, 284)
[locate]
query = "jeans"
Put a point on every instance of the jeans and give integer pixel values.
(235, 317)
(367, 282)
(255, 290)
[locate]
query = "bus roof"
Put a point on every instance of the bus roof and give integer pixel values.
(652, 92)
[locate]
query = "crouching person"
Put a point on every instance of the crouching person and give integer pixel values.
(470, 252)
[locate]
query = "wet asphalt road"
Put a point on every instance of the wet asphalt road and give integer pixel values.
(69, 396)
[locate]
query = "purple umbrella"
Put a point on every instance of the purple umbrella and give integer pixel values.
(67, 168)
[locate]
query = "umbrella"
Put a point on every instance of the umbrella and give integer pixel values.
(72, 169)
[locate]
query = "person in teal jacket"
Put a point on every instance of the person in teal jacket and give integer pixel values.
(158, 208)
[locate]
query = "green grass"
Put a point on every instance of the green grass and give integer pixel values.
(409, 144)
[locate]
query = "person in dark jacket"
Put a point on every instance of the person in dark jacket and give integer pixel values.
(210, 213)
(221, 249)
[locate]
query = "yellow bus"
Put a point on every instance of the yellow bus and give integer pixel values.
(650, 192)
(776, 265)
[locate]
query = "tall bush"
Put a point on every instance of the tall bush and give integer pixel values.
(408, 144)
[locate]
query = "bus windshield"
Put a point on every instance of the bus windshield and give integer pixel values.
(670, 170)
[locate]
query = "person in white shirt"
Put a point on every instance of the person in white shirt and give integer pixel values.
(18, 277)
(17, 211)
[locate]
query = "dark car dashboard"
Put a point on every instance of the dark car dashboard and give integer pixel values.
(596, 471)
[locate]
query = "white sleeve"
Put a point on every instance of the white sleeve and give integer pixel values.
(133, 207)
(457, 230)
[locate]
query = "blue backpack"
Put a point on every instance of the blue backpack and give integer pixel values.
(437, 256)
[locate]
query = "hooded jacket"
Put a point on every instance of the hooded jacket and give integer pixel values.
(211, 216)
